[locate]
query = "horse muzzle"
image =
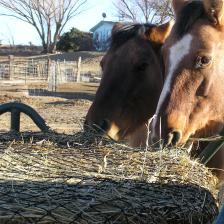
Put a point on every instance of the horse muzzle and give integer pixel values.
(104, 128)
(173, 138)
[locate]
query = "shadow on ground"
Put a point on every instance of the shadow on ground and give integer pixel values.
(66, 95)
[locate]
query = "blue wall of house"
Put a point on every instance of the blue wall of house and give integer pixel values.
(101, 36)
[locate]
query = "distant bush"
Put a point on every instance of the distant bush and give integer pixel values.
(75, 40)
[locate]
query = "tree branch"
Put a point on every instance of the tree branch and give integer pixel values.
(48, 17)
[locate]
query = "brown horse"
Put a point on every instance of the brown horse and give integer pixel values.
(192, 99)
(131, 82)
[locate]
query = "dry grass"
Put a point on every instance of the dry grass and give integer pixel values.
(72, 179)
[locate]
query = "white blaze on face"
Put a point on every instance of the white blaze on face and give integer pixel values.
(176, 54)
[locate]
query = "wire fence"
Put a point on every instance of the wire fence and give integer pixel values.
(45, 70)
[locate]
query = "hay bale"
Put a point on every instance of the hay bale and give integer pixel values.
(43, 183)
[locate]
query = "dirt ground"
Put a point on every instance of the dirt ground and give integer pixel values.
(63, 111)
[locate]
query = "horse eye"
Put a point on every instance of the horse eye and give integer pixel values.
(101, 64)
(202, 61)
(142, 66)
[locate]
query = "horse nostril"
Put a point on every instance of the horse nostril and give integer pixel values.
(104, 124)
(173, 138)
(176, 137)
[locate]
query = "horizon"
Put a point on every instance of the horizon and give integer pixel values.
(23, 33)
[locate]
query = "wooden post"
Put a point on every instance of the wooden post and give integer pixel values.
(25, 76)
(79, 70)
(51, 77)
(32, 68)
(48, 67)
(11, 66)
(54, 76)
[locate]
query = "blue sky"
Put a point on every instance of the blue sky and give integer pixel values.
(23, 32)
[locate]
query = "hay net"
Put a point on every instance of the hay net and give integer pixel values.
(62, 179)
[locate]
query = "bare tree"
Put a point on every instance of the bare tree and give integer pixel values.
(48, 17)
(149, 11)
(163, 11)
(9, 37)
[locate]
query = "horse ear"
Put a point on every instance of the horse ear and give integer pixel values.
(215, 11)
(178, 5)
(158, 34)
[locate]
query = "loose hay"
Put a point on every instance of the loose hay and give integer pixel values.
(81, 183)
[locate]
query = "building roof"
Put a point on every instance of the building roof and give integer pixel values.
(100, 24)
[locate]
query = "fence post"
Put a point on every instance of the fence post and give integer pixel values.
(54, 76)
(51, 76)
(33, 69)
(11, 67)
(48, 67)
(25, 76)
(79, 70)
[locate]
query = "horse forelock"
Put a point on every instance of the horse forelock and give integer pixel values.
(188, 16)
(127, 32)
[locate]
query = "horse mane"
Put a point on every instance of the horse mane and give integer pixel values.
(127, 32)
(188, 16)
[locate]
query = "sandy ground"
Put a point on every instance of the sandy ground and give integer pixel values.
(63, 112)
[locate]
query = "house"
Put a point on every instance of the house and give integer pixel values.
(101, 34)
